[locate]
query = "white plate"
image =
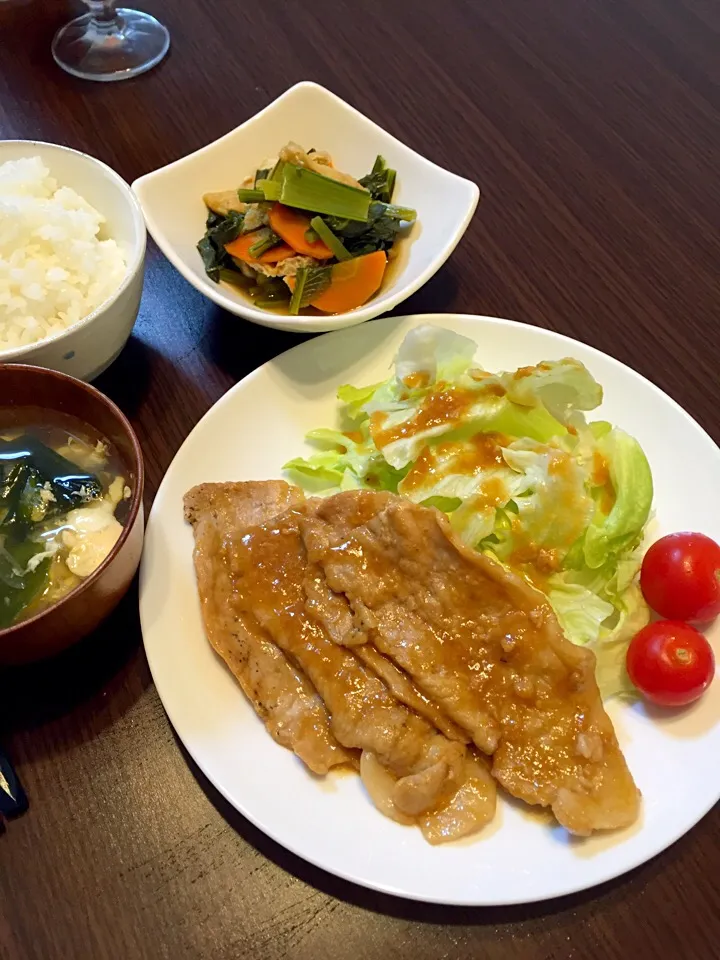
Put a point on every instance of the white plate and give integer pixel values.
(171, 198)
(248, 435)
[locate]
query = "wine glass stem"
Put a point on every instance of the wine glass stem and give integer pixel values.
(103, 13)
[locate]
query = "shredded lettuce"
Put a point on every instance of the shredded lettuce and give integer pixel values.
(521, 474)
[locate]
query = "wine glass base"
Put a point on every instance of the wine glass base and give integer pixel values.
(94, 50)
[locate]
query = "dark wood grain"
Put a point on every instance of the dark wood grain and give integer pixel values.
(594, 130)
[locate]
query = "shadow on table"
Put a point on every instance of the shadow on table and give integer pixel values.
(238, 347)
(127, 379)
(397, 906)
(436, 296)
(38, 693)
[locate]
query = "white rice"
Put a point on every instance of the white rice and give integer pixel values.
(54, 269)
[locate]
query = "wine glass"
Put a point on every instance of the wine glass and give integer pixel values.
(110, 44)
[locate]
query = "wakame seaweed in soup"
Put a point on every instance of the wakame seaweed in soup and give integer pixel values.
(63, 500)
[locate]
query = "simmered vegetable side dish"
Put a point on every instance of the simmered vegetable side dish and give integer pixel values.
(301, 233)
(59, 493)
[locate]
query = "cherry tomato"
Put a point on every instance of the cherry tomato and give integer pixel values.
(671, 663)
(680, 577)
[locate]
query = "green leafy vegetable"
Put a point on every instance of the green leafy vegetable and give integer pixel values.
(343, 463)
(261, 175)
(310, 282)
(271, 288)
(333, 243)
(269, 292)
(266, 240)
(580, 611)
(632, 482)
(233, 275)
(378, 232)
(208, 252)
(219, 231)
(354, 399)
(563, 387)
(380, 181)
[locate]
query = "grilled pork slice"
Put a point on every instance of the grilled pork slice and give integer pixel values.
(424, 777)
(332, 611)
(484, 645)
(279, 692)
(269, 567)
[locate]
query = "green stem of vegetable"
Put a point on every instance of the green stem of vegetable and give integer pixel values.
(231, 276)
(261, 175)
(310, 282)
(266, 241)
(308, 190)
(398, 213)
(271, 189)
(277, 171)
(251, 196)
(270, 288)
(329, 239)
(270, 296)
(269, 303)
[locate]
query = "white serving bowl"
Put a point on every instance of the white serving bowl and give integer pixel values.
(86, 348)
(171, 198)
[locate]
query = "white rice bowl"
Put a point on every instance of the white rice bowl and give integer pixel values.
(56, 266)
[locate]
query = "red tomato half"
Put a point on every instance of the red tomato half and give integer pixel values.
(671, 663)
(680, 577)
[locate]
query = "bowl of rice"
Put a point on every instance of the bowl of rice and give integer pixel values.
(72, 248)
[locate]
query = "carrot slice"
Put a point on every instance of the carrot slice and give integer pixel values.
(353, 283)
(240, 248)
(292, 226)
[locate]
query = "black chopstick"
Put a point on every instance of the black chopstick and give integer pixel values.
(13, 800)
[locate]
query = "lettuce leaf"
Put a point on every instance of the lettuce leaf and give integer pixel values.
(521, 475)
(431, 397)
(555, 506)
(580, 611)
(433, 353)
(632, 484)
(563, 387)
(355, 398)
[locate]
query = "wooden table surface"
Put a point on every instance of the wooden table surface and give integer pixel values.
(593, 129)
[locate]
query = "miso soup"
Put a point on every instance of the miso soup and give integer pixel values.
(63, 502)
